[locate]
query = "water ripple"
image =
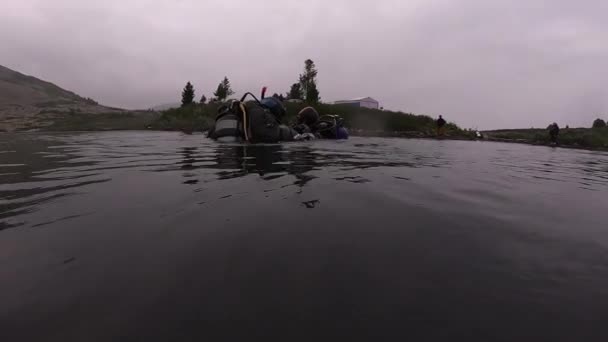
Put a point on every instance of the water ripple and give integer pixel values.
(40, 169)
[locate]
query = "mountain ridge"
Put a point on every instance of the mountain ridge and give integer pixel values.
(27, 102)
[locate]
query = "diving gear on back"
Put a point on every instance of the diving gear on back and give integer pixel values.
(254, 121)
(325, 127)
(275, 106)
(332, 127)
(259, 121)
(228, 125)
(308, 116)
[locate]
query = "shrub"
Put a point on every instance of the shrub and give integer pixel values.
(599, 123)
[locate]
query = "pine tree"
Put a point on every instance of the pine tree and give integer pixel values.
(188, 94)
(295, 93)
(308, 82)
(224, 90)
(203, 99)
(599, 123)
(228, 88)
(312, 93)
(220, 93)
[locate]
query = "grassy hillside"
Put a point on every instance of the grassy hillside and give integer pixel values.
(595, 138)
(363, 121)
(20, 89)
(27, 102)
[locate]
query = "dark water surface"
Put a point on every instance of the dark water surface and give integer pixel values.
(139, 236)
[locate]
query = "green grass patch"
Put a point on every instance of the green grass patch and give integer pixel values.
(103, 122)
(195, 117)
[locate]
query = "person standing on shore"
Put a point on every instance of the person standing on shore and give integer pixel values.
(440, 126)
(554, 133)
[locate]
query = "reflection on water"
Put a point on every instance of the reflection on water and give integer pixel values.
(268, 161)
(38, 169)
(188, 237)
(35, 170)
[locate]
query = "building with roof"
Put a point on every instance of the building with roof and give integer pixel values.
(366, 102)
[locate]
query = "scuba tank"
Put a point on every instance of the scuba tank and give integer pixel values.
(228, 124)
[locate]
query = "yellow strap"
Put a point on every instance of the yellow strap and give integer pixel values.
(245, 122)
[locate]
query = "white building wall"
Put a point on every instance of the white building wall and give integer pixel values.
(365, 102)
(370, 104)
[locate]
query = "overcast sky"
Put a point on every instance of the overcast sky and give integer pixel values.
(480, 63)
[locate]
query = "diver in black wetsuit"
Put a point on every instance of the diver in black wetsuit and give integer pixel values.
(260, 122)
(308, 121)
(254, 121)
(265, 121)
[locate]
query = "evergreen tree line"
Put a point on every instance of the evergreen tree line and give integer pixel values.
(306, 87)
(304, 90)
(223, 91)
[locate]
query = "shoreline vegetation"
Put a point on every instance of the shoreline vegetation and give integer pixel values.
(360, 121)
(45, 107)
(577, 138)
(194, 116)
(383, 123)
(197, 117)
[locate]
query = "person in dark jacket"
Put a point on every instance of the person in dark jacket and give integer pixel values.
(440, 126)
(553, 133)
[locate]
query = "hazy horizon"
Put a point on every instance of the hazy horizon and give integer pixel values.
(499, 64)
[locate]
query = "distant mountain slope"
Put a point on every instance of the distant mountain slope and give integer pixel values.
(27, 102)
(166, 106)
(20, 89)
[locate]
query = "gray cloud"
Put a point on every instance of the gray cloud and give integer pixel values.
(481, 63)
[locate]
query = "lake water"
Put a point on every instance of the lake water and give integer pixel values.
(148, 236)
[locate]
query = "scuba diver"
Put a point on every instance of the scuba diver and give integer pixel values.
(254, 121)
(259, 121)
(308, 121)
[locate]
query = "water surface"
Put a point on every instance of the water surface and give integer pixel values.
(161, 236)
